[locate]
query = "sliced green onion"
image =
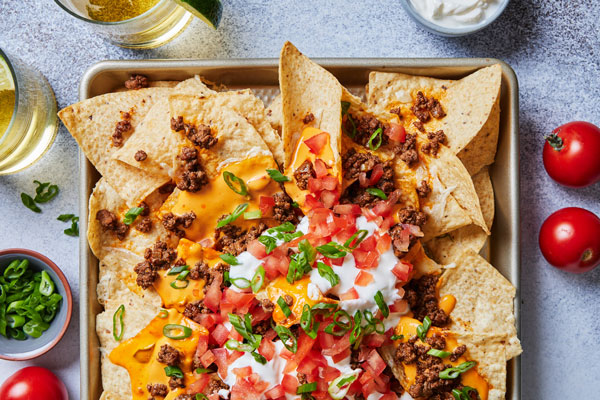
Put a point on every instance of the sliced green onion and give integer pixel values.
(454, 372)
(230, 178)
(385, 310)
(326, 272)
(286, 336)
(173, 371)
(240, 283)
(163, 314)
(465, 394)
(277, 176)
(357, 331)
(259, 358)
(118, 317)
(16, 269)
(244, 328)
(356, 239)
(397, 337)
(258, 279)
(439, 353)
(332, 250)
(176, 331)
(200, 396)
(377, 134)
(269, 242)
(345, 107)
(178, 269)
(132, 214)
(338, 388)
(285, 227)
(179, 284)
(308, 323)
(239, 210)
(28, 202)
(182, 275)
(328, 308)
(288, 237)
(229, 259)
(236, 345)
(309, 251)
(65, 217)
(422, 329)
(204, 371)
(284, 307)
(42, 196)
(377, 192)
(256, 214)
(307, 388)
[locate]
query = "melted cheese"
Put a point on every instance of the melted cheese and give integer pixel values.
(217, 199)
(303, 153)
(192, 253)
(139, 354)
(408, 328)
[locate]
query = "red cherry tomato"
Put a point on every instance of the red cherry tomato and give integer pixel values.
(33, 383)
(571, 154)
(570, 240)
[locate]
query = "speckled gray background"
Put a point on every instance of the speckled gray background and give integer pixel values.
(553, 46)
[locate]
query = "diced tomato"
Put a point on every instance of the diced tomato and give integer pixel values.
(244, 389)
(329, 198)
(402, 270)
(315, 185)
(340, 356)
(220, 334)
(289, 384)
(208, 320)
(368, 244)
(266, 204)
(242, 372)
(374, 363)
(275, 392)
(267, 349)
(234, 355)
(312, 362)
(241, 301)
(212, 298)
(275, 263)
(376, 174)
(326, 340)
(351, 294)
(363, 278)
(259, 314)
(207, 359)
(365, 260)
(383, 243)
(347, 209)
(341, 345)
(202, 346)
(305, 343)
(396, 132)
(320, 168)
(199, 384)
(382, 209)
(312, 202)
(330, 373)
(400, 306)
(257, 249)
(316, 143)
(336, 261)
(387, 223)
(368, 386)
(221, 359)
(363, 181)
(374, 340)
(329, 182)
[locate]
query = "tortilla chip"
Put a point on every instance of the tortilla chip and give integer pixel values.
(238, 139)
(92, 123)
(484, 300)
(155, 137)
(138, 313)
(275, 114)
(448, 247)
(308, 88)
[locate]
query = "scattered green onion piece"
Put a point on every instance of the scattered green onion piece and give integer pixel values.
(454, 372)
(385, 310)
(171, 331)
(229, 259)
(204, 371)
(183, 275)
(256, 214)
(244, 328)
(356, 239)
(328, 308)
(163, 314)
(422, 329)
(73, 230)
(118, 317)
(16, 269)
(201, 396)
(15, 320)
(259, 358)
(286, 335)
(29, 203)
(326, 272)
(277, 176)
(307, 388)
(65, 217)
(377, 192)
(236, 345)
(338, 388)
(438, 353)
(377, 134)
(132, 214)
(284, 307)
(258, 279)
(345, 107)
(239, 210)
(172, 371)
(465, 394)
(45, 192)
(230, 178)
(332, 250)
(308, 323)
(179, 284)
(178, 269)
(269, 242)
(240, 283)
(397, 337)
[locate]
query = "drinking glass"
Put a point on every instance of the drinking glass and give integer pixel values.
(155, 27)
(29, 124)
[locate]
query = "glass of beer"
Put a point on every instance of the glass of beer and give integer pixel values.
(28, 121)
(140, 24)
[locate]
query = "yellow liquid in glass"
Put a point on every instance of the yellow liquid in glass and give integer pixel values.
(118, 10)
(7, 107)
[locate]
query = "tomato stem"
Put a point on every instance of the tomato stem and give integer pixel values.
(555, 141)
(587, 255)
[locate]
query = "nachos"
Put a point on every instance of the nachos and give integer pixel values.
(320, 248)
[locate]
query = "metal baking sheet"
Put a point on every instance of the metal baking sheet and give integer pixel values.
(261, 76)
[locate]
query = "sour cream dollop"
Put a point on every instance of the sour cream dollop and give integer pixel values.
(456, 13)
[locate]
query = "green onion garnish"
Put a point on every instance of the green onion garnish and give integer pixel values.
(439, 353)
(258, 279)
(465, 394)
(269, 242)
(377, 134)
(284, 307)
(65, 217)
(307, 388)
(308, 323)
(174, 372)
(229, 259)
(204, 371)
(132, 214)
(163, 313)
(454, 372)
(287, 336)
(240, 283)
(345, 107)
(29, 203)
(259, 358)
(179, 284)
(277, 176)
(422, 329)
(45, 192)
(332, 250)
(178, 269)
(256, 214)
(356, 239)
(244, 328)
(230, 178)
(397, 337)
(377, 192)
(327, 272)
(118, 317)
(385, 310)
(235, 345)
(239, 210)
(177, 332)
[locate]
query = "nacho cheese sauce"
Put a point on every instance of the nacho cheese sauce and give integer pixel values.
(456, 13)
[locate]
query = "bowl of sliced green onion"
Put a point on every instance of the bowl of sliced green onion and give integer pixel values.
(35, 304)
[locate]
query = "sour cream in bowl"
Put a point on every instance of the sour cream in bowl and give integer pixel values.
(454, 17)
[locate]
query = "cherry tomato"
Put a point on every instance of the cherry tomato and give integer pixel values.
(571, 154)
(33, 383)
(570, 240)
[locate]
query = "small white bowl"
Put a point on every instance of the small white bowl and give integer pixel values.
(452, 32)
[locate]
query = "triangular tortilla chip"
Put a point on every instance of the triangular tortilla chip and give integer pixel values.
(448, 247)
(92, 123)
(308, 88)
(484, 300)
(275, 114)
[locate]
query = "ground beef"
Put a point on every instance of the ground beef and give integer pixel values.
(157, 257)
(283, 211)
(110, 222)
(398, 112)
(423, 189)
(232, 239)
(424, 108)
(195, 310)
(137, 82)
(267, 305)
(308, 118)
(458, 352)
(407, 151)
(304, 172)
(422, 298)
(302, 378)
(363, 129)
(158, 389)
(184, 397)
(436, 139)
(123, 126)
(144, 225)
(169, 355)
(355, 163)
(146, 209)
(410, 215)
(176, 383)
(262, 327)
(190, 175)
(167, 188)
(198, 271)
(174, 223)
(140, 155)
(200, 135)
(436, 341)
(215, 384)
(419, 126)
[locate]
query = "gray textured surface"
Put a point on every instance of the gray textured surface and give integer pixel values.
(553, 46)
